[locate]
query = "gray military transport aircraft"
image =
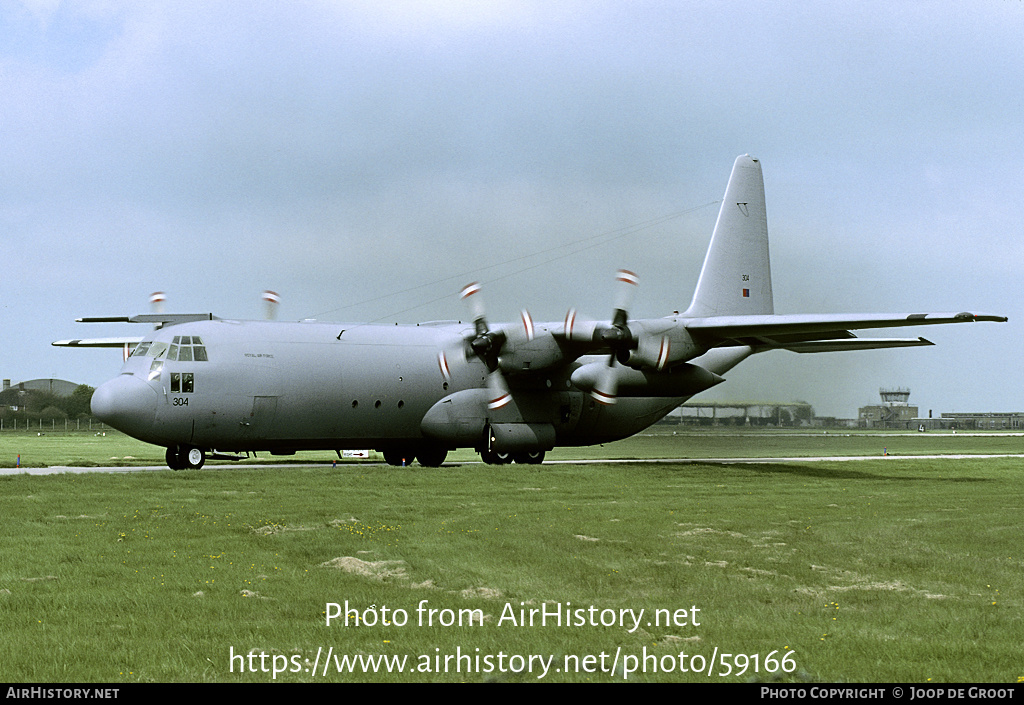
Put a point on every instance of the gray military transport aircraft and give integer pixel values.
(203, 387)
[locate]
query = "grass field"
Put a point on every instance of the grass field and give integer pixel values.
(890, 569)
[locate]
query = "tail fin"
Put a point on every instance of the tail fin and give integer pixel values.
(736, 278)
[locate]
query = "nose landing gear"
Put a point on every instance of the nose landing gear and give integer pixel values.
(184, 458)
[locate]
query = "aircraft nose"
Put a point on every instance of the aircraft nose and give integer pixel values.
(127, 404)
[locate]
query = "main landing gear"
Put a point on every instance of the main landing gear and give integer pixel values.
(429, 457)
(185, 458)
(492, 457)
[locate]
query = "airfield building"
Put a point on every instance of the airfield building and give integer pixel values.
(895, 411)
(60, 387)
(975, 421)
(742, 414)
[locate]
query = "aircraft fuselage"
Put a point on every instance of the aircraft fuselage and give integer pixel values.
(282, 387)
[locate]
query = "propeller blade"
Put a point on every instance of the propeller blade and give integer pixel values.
(626, 283)
(577, 327)
(475, 303)
(442, 362)
(156, 301)
(527, 320)
(618, 336)
(499, 395)
(664, 348)
(606, 389)
(522, 333)
(271, 300)
(487, 346)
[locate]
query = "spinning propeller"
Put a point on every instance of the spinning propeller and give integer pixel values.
(617, 336)
(499, 348)
(487, 344)
(271, 300)
(156, 301)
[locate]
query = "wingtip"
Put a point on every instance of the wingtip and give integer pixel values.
(990, 317)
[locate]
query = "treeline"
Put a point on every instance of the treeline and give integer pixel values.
(35, 404)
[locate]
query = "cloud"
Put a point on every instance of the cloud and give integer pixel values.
(370, 153)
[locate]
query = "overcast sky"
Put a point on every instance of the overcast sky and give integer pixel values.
(367, 159)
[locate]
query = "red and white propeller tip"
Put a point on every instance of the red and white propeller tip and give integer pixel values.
(626, 283)
(156, 301)
(271, 300)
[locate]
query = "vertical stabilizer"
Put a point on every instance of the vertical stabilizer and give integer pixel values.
(736, 278)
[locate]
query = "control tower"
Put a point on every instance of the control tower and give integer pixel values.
(895, 410)
(899, 396)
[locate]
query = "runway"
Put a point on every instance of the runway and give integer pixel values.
(60, 469)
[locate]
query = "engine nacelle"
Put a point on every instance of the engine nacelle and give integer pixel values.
(660, 344)
(522, 355)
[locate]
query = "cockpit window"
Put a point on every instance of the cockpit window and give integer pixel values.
(189, 348)
(184, 348)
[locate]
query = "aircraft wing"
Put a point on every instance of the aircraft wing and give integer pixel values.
(819, 333)
(97, 342)
(159, 319)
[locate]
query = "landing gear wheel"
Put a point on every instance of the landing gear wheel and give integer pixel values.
(492, 457)
(184, 458)
(530, 458)
(193, 458)
(174, 461)
(432, 457)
